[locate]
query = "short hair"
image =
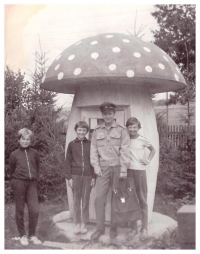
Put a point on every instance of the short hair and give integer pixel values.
(132, 121)
(82, 124)
(24, 132)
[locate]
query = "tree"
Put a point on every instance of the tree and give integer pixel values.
(14, 83)
(29, 106)
(14, 112)
(177, 38)
(33, 95)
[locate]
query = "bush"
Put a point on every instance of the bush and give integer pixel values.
(176, 174)
(49, 142)
(26, 105)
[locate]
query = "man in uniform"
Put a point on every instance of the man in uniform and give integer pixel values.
(109, 155)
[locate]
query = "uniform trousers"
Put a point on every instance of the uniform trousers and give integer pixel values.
(25, 191)
(110, 175)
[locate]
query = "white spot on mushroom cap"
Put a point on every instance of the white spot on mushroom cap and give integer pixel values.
(57, 66)
(178, 70)
(43, 78)
(116, 49)
(136, 54)
(71, 57)
(60, 75)
(95, 55)
(146, 49)
(125, 40)
(148, 68)
(78, 42)
(94, 42)
(165, 58)
(58, 57)
(161, 66)
(112, 67)
(130, 73)
(77, 71)
(176, 77)
(109, 36)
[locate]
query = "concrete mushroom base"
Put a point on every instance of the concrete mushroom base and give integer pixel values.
(160, 227)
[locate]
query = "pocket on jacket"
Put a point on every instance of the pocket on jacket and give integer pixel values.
(100, 139)
(115, 139)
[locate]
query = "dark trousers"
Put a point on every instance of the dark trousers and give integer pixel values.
(108, 178)
(140, 180)
(82, 189)
(25, 191)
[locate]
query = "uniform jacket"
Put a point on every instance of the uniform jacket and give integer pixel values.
(24, 163)
(110, 147)
(77, 160)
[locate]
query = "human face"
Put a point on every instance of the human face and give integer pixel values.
(25, 141)
(81, 132)
(108, 117)
(133, 130)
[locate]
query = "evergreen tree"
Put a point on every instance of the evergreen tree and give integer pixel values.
(176, 37)
(27, 105)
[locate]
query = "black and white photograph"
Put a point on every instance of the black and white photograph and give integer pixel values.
(99, 126)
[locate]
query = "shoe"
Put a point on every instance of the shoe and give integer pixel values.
(113, 232)
(131, 234)
(77, 229)
(35, 240)
(83, 229)
(144, 234)
(97, 234)
(24, 240)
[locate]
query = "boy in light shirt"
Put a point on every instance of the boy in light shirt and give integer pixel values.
(138, 164)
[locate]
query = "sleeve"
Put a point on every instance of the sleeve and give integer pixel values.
(147, 143)
(12, 164)
(93, 174)
(38, 165)
(68, 163)
(124, 151)
(94, 155)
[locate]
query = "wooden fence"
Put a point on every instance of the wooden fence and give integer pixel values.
(177, 134)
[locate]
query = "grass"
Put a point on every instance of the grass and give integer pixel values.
(46, 230)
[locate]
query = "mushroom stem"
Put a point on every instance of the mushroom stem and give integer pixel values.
(131, 101)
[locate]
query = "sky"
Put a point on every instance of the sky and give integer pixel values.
(54, 27)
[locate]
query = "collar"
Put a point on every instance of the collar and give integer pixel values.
(114, 124)
(22, 148)
(78, 140)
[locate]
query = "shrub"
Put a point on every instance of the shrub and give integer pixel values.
(49, 142)
(176, 174)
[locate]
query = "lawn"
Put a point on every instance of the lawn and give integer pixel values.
(47, 231)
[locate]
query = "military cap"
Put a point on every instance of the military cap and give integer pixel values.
(107, 106)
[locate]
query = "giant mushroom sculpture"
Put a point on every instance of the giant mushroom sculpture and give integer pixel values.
(122, 69)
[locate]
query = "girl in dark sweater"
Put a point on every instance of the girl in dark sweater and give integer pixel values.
(80, 175)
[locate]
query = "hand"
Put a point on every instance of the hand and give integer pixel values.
(71, 184)
(123, 175)
(98, 172)
(93, 182)
(144, 162)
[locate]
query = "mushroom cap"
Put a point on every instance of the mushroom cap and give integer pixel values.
(113, 58)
